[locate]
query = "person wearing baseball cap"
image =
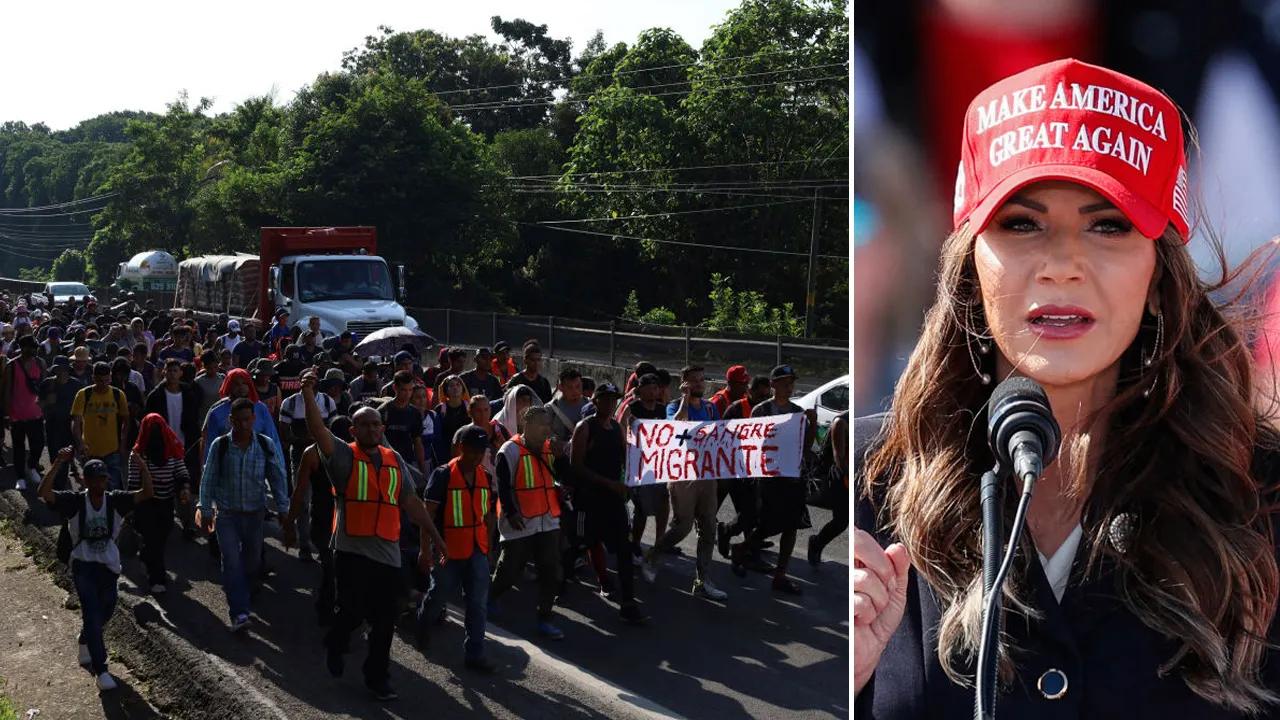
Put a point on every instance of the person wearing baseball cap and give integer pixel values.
(480, 380)
(368, 384)
(231, 338)
(92, 520)
(503, 366)
(651, 500)
(782, 508)
(279, 332)
(736, 380)
(466, 492)
(1068, 267)
(598, 515)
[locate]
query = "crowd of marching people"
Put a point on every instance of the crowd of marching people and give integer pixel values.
(404, 481)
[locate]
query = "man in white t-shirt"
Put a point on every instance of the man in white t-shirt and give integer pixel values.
(93, 518)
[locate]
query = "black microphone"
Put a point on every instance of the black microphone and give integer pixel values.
(1024, 438)
(1023, 434)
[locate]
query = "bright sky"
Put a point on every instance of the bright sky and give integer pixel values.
(70, 61)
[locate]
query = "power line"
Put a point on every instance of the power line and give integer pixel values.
(685, 167)
(668, 214)
(740, 193)
(766, 53)
(476, 105)
(69, 203)
(531, 103)
(834, 184)
(36, 216)
(734, 248)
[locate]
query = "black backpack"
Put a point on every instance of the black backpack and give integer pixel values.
(820, 473)
(65, 545)
(224, 441)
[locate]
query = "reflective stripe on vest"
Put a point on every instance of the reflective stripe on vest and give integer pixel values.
(534, 483)
(464, 527)
(372, 508)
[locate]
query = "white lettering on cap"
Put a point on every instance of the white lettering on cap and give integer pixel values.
(959, 197)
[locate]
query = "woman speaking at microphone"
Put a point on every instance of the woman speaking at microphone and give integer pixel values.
(1146, 582)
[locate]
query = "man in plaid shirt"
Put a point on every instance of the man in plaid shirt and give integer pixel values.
(242, 467)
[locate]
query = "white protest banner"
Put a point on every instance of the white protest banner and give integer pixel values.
(661, 451)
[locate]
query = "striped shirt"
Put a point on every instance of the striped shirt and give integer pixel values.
(163, 477)
(239, 479)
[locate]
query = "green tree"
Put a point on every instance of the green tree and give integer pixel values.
(154, 186)
(71, 265)
(381, 150)
(34, 274)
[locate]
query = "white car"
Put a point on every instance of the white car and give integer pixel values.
(830, 399)
(63, 291)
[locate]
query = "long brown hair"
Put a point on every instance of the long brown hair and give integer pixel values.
(1200, 568)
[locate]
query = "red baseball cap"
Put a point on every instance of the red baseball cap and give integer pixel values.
(1069, 120)
(737, 373)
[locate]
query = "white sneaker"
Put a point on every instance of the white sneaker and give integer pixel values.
(34, 477)
(20, 484)
(649, 567)
(85, 657)
(159, 589)
(106, 682)
(709, 591)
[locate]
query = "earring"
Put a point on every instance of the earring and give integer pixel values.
(1149, 360)
(984, 349)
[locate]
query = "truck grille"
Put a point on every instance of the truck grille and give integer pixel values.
(364, 328)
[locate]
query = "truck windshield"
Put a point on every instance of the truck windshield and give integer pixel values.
(354, 279)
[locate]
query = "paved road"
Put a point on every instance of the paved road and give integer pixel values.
(756, 655)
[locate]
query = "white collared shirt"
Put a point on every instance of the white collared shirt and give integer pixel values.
(1058, 568)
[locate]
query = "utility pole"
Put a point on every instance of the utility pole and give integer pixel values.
(810, 298)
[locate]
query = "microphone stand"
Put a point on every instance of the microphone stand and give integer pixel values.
(996, 562)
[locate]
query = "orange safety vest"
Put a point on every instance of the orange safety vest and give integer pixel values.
(372, 503)
(464, 512)
(723, 395)
(534, 482)
(504, 373)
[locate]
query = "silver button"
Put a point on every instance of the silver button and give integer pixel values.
(1052, 684)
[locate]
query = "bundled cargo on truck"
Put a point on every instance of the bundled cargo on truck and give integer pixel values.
(220, 284)
(331, 273)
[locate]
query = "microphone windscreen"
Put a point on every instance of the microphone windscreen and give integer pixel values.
(1019, 388)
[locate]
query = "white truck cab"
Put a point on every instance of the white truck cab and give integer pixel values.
(347, 292)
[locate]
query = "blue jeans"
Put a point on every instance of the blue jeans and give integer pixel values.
(473, 575)
(112, 461)
(240, 542)
(96, 588)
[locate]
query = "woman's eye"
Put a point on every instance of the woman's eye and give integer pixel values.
(1112, 226)
(1019, 224)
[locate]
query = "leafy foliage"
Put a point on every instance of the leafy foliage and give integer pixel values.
(464, 152)
(653, 316)
(747, 311)
(71, 265)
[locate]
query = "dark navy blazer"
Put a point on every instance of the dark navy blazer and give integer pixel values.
(1108, 657)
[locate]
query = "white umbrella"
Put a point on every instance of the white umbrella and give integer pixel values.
(389, 341)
